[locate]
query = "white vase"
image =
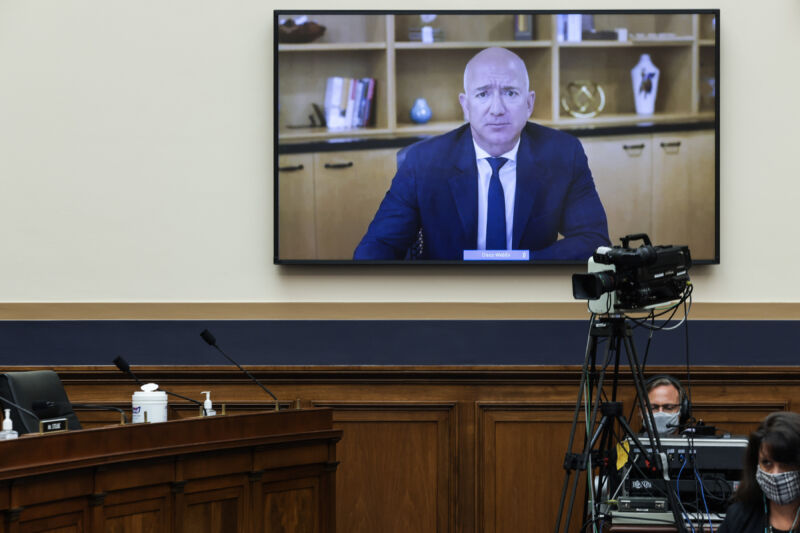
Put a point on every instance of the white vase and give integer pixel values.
(644, 77)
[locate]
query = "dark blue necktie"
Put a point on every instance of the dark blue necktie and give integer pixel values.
(496, 208)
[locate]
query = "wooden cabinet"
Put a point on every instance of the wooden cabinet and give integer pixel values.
(349, 186)
(683, 46)
(296, 217)
(326, 206)
(683, 175)
(662, 184)
(622, 171)
(659, 184)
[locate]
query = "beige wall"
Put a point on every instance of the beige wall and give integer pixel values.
(136, 157)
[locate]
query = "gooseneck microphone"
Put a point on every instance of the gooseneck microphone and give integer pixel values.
(123, 365)
(20, 408)
(49, 409)
(212, 341)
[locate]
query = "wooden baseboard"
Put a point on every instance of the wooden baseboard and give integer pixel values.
(363, 311)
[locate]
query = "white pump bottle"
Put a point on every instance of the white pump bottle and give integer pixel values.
(207, 405)
(8, 427)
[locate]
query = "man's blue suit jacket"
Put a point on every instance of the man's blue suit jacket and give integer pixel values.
(436, 188)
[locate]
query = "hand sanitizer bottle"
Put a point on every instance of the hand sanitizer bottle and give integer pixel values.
(8, 427)
(207, 406)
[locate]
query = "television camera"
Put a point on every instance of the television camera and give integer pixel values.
(621, 278)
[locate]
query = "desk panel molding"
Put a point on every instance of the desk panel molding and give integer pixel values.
(472, 447)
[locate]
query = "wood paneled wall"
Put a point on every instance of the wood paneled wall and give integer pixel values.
(441, 449)
(253, 473)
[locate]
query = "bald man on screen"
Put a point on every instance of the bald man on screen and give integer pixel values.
(498, 182)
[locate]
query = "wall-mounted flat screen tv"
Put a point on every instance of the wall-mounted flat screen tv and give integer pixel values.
(485, 137)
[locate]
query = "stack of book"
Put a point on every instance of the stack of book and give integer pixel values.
(349, 102)
(570, 28)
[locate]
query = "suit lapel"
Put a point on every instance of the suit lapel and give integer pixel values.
(464, 187)
(530, 175)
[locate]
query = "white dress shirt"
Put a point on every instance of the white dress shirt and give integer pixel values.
(508, 178)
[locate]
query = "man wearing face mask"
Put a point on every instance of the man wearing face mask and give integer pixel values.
(669, 403)
(768, 498)
(670, 407)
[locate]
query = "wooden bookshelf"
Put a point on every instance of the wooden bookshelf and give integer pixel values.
(683, 46)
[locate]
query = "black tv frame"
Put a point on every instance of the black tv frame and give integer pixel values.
(595, 131)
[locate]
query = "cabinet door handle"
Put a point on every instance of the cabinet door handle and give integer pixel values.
(632, 146)
(290, 169)
(339, 165)
(674, 144)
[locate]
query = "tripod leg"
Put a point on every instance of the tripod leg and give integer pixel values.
(606, 468)
(590, 430)
(590, 422)
(641, 393)
(564, 488)
(588, 379)
(571, 502)
(593, 434)
(650, 426)
(616, 371)
(605, 434)
(589, 357)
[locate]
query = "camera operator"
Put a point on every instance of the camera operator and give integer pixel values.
(670, 407)
(669, 403)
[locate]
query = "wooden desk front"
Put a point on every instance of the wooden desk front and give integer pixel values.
(272, 471)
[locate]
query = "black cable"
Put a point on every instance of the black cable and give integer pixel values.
(657, 490)
(645, 476)
(642, 322)
(691, 448)
(671, 310)
(685, 295)
(652, 316)
(688, 365)
(643, 366)
(102, 408)
(20, 408)
(716, 484)
(647, 346)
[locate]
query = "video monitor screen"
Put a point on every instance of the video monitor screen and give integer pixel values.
(484, 137)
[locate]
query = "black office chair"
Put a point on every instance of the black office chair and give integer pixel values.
(38, 391)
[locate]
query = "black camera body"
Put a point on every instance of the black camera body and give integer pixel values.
(624, 278)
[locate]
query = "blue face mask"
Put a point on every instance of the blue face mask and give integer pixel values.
(780, 488)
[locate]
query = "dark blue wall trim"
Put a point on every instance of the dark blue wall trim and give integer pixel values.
(381, 342)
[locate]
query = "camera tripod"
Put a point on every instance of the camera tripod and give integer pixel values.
(600, 439)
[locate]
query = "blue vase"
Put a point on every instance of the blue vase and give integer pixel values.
(420, 111)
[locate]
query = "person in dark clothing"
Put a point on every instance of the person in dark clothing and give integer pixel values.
(768, 498)
(496, 183)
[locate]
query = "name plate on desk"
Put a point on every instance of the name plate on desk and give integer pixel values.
(497, 255)
(52, 425)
